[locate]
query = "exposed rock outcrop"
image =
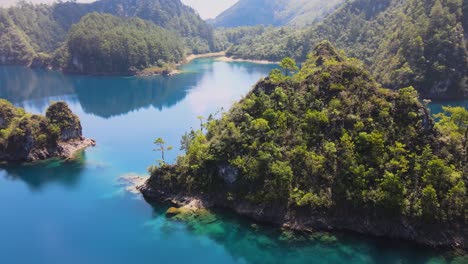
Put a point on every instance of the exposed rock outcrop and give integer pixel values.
(26, 137)
(434, 235)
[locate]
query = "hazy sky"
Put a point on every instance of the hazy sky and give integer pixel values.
(206, 8)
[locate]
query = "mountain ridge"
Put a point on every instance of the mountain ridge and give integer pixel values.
(275, 13)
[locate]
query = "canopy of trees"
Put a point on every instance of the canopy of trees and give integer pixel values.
(32, 33)
(15, 46)
(102, 44)
(329, 139)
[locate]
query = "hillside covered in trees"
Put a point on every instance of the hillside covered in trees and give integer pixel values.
(275, 13)
(32, 33)
(15, 47)
(105, 44)
(404, 42)
(328, 148)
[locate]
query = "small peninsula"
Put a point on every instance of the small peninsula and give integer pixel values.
(26, 137)
(329, 149)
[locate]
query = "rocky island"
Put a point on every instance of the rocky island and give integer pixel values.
(27, 137)
(329, 149)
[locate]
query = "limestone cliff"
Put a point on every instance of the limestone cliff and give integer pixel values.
(28, 137)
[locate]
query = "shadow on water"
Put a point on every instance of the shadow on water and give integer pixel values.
(107, 97)
(102, 96)
(39, 174)
(246, 240)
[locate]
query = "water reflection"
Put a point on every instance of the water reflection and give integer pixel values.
(108, 97)
(38, 175)
(18, 84)
(102, 96)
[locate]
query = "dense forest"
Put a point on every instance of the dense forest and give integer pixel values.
(103, 44)
(15, 47)
(31, 34)
(329, 142)
(275, 13)
(410, 42)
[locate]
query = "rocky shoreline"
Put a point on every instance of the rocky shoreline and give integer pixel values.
(66, 150)
(69, 149)
(436, 236)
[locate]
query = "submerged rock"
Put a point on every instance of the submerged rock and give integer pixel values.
(172, 211)
(133, 182)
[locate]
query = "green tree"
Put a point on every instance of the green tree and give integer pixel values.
(289, 66)
(201, 118)
(161, 147)
(429, 203)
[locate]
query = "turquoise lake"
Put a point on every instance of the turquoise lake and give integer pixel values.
(79, 211)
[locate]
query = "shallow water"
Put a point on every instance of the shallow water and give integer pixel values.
(78, 212)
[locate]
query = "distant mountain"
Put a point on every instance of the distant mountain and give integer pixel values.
(403, 42)
(276, 12)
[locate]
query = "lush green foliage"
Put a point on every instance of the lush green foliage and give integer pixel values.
(21, 132)
(169, 14)
(276, 12)
(418, 43)
(330, 139)
(59, 115)
(33, 33)
(15, 47)
(103, 43)
(44, 30)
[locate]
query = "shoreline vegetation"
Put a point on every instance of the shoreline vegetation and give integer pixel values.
(174, 69)
(324, 148)
(169, 69)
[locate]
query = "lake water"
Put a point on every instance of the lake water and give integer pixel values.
(78, 212)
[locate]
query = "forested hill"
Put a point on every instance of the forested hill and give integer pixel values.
(404, 42)
(275, 12)
(45, 27)
(106, 44)
(328, 148)
(169, 14)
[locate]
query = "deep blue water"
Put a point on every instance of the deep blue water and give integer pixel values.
(78, 212)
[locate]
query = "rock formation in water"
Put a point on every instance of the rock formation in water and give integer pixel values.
(326, 149)
(27, 137)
